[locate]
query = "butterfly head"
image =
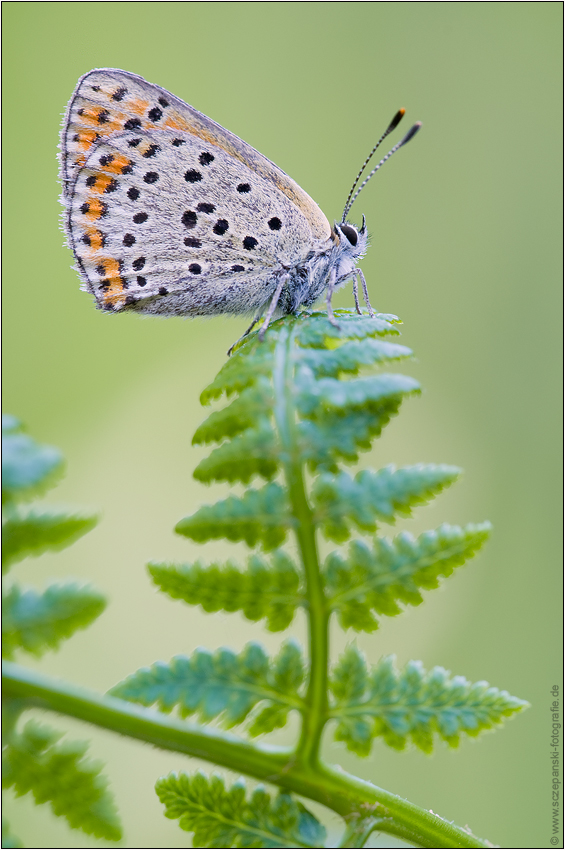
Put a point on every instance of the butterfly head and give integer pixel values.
(351, 238)
(351, 242)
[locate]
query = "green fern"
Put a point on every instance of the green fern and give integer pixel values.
(28, 469)
(34, 532)
(266, 589)
(410, 705)
(298, 409)
(58, 774)
(223, 683)
(376, 579)
(221, 817)
(35, 622)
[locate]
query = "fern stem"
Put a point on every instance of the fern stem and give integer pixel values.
(336, 789)
(358, 830)
(314, 714)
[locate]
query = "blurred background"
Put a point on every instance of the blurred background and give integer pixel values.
(466, 233)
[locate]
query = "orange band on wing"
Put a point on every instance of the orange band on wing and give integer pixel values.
(117, 165)
(94, 238)
(94, 209)
(176, 123)
(112, 284)
(104, 183)
(138, 106)
(101, 117)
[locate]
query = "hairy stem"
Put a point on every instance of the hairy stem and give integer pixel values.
(358, 831)
(314, 714)
(345, 794)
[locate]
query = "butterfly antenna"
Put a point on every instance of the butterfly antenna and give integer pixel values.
(409, 135)
(393, 124)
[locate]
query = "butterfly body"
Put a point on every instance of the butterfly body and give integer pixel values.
(168, 213)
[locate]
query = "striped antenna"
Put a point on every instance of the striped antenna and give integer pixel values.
(393, 124)
(409, 135)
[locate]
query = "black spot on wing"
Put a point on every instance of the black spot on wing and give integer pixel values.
(189, 219)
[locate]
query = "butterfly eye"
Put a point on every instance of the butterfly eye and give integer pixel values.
(350, 233)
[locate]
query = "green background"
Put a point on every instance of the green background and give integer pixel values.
(466, 229)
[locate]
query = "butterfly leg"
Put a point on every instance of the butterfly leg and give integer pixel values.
(248, 331)
(329, 293)
(273, 305)
(356, 295)
(347, 276)
(361, 276)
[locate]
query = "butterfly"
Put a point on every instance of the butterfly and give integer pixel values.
(168, 213)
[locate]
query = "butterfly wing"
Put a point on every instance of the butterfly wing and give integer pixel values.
(108, 101)
(161, 221)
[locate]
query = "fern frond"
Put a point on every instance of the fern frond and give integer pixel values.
(268, 590)
(335, 419)
(351, 356)
(253, 404)
(342, 501)
(223, 683)
(223, 817)
(36, 622)
(254, 452)
(28, 468)
(238, 373)
(258, 517)
(38, 531)
(316, 396)
(374, 581)
(59, 774)
(410, 705)
(318, 332)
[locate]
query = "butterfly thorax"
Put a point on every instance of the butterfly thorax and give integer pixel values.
(332, 261)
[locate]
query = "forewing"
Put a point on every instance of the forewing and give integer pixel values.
(163, 222)
(108, 101)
